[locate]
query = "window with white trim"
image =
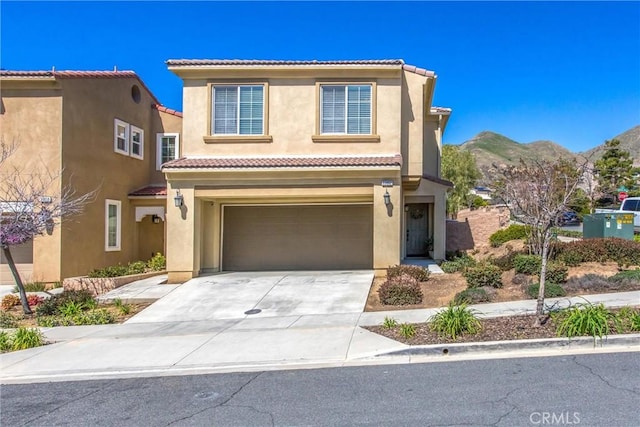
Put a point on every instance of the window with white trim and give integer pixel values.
(121, 137)
(237, 110)
(112, 226)
(345, 109)
(167, 148)
(137, 142)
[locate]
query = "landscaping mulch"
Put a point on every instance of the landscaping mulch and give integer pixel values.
(495, 329)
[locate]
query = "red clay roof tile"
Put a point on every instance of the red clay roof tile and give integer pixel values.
(164, 109)
(151, 190)
(284, 162)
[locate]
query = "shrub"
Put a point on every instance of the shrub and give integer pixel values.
(624, 252)
(7, 320)
(407, 330)
(483, 274)
(9, 301)
(513, 232)
(585, 319)
(48, 307)
(454, 321)
(401, 290)
(389, 322)
(551, 290)
(81, 299)
(32, 287)
(478, 202)
(124, 309)
(458, 263)
(527, 264)
(5, 341)
(421, 274)
(556, 272)
(70, 308)
(136, 267)
(94, 317)
(629, 319)
(472, 296)
(24, 338)
(504, 262)
(157, 263)
(111, 271)
(34, 300)
(632, 275)
(521, 280)
(636, 237)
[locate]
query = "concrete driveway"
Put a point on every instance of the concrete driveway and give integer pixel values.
(230, 295)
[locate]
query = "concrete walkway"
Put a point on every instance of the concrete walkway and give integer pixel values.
(243, 344)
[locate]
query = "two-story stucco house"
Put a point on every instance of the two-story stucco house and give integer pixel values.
(305, 165)
(106, 132)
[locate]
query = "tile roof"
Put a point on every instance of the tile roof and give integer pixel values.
(283, 162)
(164, 109)
(203, 62)
(68, 74)
(268, 62)
(151, 190)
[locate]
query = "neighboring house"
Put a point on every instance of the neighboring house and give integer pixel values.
(305, 165)
(483, 192)
(106, 132)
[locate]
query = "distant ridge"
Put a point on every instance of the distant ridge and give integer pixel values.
(490, 148)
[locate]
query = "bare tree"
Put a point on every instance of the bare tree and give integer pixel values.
(31, 204)
(537, 193)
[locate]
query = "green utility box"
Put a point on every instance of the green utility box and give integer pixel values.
(614, 224)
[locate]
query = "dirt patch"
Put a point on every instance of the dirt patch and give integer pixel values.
(497, 329)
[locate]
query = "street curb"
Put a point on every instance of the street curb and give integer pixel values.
(453, 349)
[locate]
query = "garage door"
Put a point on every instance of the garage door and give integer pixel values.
(297, 237)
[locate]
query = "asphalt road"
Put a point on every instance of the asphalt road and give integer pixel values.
(599, 389)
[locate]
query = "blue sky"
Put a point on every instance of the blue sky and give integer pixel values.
(562, 71)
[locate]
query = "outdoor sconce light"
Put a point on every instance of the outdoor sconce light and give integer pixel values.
(155, 219)
(387, 197)
(387, 183)
(178, 200)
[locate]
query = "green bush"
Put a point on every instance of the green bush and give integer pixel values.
(513, 232)
(551, 290)
(629, 319)
(5, 342)
(633, 275)
(71, 300)
(8, 321)
(136, 267)
(91, 317)
(472, 296)
(556, 272)
(111, 271)
(624, 252)
(32, 287)
(636, 237)
(157, 263)
(478, 202)
(407, 330)
(483, 274)
(454, 321)
(389, 322)
(400, 290)
(504, 262)
(458, 263)
(421, 274)
(527, 264)
(24, 338)
(585, 319)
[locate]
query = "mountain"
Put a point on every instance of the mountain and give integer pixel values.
(491, 148)
(629, 141)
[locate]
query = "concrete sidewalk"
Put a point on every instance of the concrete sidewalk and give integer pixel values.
(286, 342)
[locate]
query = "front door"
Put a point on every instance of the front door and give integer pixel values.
(417, 229)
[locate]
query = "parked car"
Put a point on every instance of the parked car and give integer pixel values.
(629, 205)
(568, 218)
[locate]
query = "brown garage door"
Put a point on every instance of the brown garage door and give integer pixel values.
(297, 237)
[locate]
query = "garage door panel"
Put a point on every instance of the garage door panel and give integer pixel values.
(297, 237)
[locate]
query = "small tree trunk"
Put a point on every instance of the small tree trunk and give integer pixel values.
(16, 277)
(543, 273)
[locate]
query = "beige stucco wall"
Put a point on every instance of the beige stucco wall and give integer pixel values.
(31, 118)
(162, 122)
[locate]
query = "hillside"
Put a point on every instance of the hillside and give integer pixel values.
(491, 148)
(629, 141)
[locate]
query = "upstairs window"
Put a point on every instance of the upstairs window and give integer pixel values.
(168, 148)
(345, 109)
(237, 110)
(137, 142)
(121, 137)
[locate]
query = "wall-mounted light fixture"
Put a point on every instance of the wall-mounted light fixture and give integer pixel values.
(155, 219)
(178, 200)
(387, 183)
